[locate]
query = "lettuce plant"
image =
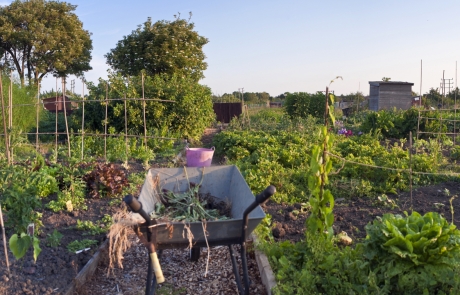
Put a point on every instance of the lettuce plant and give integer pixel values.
(419, 253)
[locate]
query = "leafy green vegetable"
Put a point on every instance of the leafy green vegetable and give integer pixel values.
(80, 245)
(54, 239)
(414, 252)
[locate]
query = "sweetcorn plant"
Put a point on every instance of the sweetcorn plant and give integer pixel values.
(418, 253)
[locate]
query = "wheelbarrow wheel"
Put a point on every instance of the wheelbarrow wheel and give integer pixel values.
(195, 253)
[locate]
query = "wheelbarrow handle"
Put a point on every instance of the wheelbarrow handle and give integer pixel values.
(267, 193)
(136, 206)
(260, 198)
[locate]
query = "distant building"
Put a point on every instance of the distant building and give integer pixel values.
(56, 104)
(388, 95)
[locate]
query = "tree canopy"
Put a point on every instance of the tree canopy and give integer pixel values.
(38, 37)
(188, 115)
(164, 47)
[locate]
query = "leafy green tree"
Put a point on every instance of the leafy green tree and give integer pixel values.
(171, 47)
(39, 37)
(303, 104)
(250, 97)
(263, 96)
(386, 79)
(189, 114)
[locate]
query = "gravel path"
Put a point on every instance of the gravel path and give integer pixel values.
(182, 276)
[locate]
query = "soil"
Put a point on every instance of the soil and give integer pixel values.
(352, 215)
(56, 267)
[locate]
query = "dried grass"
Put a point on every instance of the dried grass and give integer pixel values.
(118, 239)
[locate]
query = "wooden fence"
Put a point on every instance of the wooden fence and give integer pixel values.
(225, 112)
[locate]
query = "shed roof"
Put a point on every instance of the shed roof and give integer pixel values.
(378, 83)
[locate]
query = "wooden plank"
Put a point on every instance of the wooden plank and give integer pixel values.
(88, 270)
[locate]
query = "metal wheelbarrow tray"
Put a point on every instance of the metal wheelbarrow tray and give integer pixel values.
(223, 183)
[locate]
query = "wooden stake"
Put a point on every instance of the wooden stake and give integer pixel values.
(410, 168)
(83, 120)
(4, 239)
(38, 110)
(105, 122)
(56, 112)
(143, 106)
(7, 148)
(126, 133)
(65, 117)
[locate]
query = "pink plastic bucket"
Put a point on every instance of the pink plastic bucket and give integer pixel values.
(199, 157)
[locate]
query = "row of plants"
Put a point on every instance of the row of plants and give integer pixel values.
(281, 158)
(31, 186)
(411, 254)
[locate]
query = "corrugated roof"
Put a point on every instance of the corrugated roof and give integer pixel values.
(377, 83)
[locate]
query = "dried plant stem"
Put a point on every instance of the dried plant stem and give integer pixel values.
(4, 239)
(203, 224)
(189, 235)
(118, 239)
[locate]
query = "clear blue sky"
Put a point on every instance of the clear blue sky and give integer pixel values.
(278, 46)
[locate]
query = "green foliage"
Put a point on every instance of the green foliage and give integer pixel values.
(170, 47)
(71, 198)
(316, 266)
(391, 123)
(321, 199)
(302, 104)
(92, 229)
(80, 245)
(20, 244)
(274, 157)
(54, 239)
(45, 181)
(21, 203)
(366, 149)
(417, 253)
(24, 113)
(44, 37)
(187, 116)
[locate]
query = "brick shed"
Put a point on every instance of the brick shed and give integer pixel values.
(388, 95)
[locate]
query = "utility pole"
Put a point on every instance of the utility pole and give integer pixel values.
(449, 83)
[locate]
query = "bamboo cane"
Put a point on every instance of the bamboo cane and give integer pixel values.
(4, 240)
(7, 148)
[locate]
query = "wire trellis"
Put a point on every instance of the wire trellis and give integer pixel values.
(62, 101)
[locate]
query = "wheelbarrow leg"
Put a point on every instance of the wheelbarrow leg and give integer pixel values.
(236, 271)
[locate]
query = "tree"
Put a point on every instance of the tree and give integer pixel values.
(303, 104)
(188, 115)
(386, 79)
(163, 47)
(41, 37)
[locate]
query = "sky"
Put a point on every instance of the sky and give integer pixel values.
(294, 46)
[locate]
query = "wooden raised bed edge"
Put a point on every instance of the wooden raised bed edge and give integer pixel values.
(265, 270)
(88, 270)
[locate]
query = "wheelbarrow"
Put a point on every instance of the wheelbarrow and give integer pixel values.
(222, 182)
